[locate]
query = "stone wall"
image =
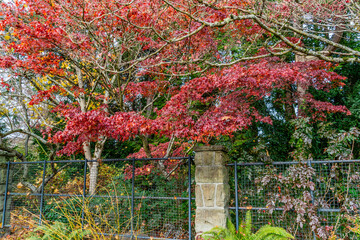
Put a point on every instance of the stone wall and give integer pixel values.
(212, 188)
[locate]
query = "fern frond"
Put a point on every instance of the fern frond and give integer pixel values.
(264, 233)
(272, 233)
(248, 224)
(230, 226)
(216, 233)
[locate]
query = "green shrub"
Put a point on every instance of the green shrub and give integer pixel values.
(266, 232)
(58, 231)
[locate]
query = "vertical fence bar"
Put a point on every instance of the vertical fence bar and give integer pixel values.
(84, 195)
(42, 193)
(132, 197)
(6, 194)
(312, 197)
(189, 195)
(236, 197)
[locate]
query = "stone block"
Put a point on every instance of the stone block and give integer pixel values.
(198, 159)
(211, 174)
(2, 176)
(210, 148)
(198, 196)
(221, 158)
(208, 191)
(2, 188)
(208, 218)
(3, 159)
(204, 158)
(222, 195)
(208, 158)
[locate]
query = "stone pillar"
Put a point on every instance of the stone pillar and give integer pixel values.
(212, 188)
(3, 172)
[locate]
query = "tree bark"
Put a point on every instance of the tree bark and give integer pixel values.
(300, 57)
(99, 145)
(94, 171)
(146, 146)
(94, 166)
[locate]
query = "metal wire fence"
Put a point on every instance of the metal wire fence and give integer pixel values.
(129, 201)
(284, 194)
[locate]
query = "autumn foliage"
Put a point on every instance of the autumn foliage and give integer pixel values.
(102, 59)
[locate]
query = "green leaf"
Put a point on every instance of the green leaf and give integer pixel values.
(248, 224)
(244, 233)
(272, 233)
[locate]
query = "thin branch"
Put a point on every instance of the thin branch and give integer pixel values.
(22, 131)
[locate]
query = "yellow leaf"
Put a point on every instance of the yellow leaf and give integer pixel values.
(226, 118)
(19, 185)
(7, 37)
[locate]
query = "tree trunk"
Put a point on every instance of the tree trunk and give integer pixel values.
(94, 166)
(146, 145)
(301, 87)
(94, 170)
(289, 108)
(300, 57)
(99, 145)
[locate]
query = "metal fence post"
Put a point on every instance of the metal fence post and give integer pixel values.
(312, 197)
(236, 197)
(189, 200)
(42, 193)
(84, 195)
(6, 194)
(132, 197)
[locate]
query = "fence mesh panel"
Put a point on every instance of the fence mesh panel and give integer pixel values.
(150, 198)
(141, 197)
(263, 190)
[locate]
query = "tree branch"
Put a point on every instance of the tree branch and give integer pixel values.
(22, 131)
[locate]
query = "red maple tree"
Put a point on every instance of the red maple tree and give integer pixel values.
(102, 65)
